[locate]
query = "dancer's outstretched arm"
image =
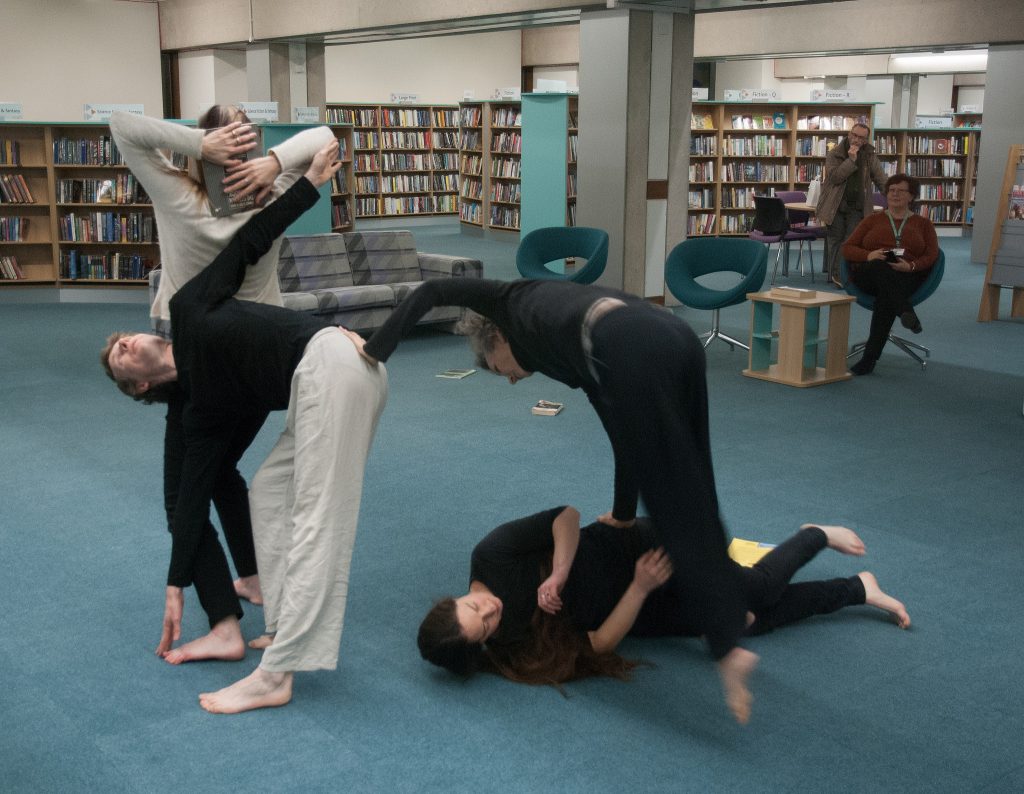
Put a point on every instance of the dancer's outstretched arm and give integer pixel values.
(653, 569)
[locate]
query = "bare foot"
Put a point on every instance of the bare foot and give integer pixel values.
(260, 689)
(224, 642)
(734, 669)
(841, 539)
(248, 587)
(876, 597)
(261, 642)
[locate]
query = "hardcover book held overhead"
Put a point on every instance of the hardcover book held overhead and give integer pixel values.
(222, 203)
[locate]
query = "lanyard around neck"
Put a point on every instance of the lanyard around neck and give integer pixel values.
(897, 233)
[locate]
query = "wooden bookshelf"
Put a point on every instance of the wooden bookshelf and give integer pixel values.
(89, 220)
(548, 160)
(742, 149)
(343, 197)
(472, 175)
(944, 161)
(24, 158)
(504, 149)
(405, 158)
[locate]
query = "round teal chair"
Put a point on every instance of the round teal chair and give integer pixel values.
(554, 243)
(921, 294)
(702, 256)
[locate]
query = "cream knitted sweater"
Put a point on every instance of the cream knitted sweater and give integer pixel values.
(190, 236)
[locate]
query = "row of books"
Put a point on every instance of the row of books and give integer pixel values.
(701, 199)
(922, 144)
(366, 140)
(341, 215)
(472, 164)
(404, 140)
(472, 189)
(108, 227)
(505, 217)
(701, 121)
(10, 152)
(808, 172)
(755, 172)
(941, 213)
(418, 205)
(122, 189)
(14, 189)
(506, 167)
(815, 145)
(471, 213)
(445, 182)
(740, 223)
(75, 265)
(507, 192)
(570, 214)
(13, 229)
(700, 223)
(403, 117)
(836, 122)
(704, 145)
(573, 148)
(570, 185)
(418, 162)
(702, 172)
(506, 117)
(943, 191)
(406, 183)
(471, 140)
(10, 269)
(358, 117)
(755, 145)
(740, 197)
(471, 116)
(339, 183)
(445, 140)
(86, 151)
(934, 167)
(507, 143)
(766, 121)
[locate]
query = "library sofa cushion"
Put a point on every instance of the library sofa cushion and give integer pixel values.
(313, 261)
(383, 257)
(373, 273)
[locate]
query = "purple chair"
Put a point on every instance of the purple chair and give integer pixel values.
(771, 225)
(800, 222)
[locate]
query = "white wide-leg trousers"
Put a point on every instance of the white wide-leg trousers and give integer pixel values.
(305, 501)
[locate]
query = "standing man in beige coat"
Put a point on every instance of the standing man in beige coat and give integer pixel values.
(847, 197)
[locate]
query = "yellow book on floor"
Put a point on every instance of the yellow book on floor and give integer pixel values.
(748, 552)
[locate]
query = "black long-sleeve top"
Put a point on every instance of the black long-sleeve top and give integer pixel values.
(234, 358)
(542, 321)
(512, 561)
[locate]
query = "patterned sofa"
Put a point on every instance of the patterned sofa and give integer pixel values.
(357, 278)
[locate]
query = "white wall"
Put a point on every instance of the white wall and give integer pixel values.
(59, 55)
(934, 94)
(439, 69)
(971, 95)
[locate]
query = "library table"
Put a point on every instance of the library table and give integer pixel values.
(799, 336)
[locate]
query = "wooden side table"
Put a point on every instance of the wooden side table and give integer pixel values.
(799, 336)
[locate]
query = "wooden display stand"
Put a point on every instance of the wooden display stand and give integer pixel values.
(798, 334)
(1006, 254)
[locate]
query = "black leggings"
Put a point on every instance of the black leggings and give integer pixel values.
(891, 290)
(654, 405)
(775, 602)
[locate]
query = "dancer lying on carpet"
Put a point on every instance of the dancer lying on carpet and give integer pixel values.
(643, 370)
(549, 602)
(231, 359)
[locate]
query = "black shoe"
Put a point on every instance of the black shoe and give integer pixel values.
(864, 367)
(910, 321)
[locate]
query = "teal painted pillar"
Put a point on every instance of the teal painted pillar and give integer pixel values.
(544, 161)
(316, 220)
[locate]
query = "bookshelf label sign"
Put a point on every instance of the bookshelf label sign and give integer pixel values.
(92, 112)
(931, 122)
(10, 111)
(259, 111)
(700, 93)
(751, 95)
(306, 115)
(506, 93)
(832, 95)
(404, 98)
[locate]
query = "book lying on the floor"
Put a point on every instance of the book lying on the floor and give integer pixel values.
(748, 552)
(222, 203)
(546, 408)
(456, 374)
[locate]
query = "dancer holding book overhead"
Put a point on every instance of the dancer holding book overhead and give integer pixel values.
(549, 602)
(643, 370)
(190, 237)
(231, 360)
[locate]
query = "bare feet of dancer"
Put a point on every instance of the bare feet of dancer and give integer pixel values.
(876, 597)
(258, 690)
(841, 539)
(223, 642)
(734, 669)
(248, 587)
(262, 642)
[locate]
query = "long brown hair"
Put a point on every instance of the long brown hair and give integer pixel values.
(554, 653)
